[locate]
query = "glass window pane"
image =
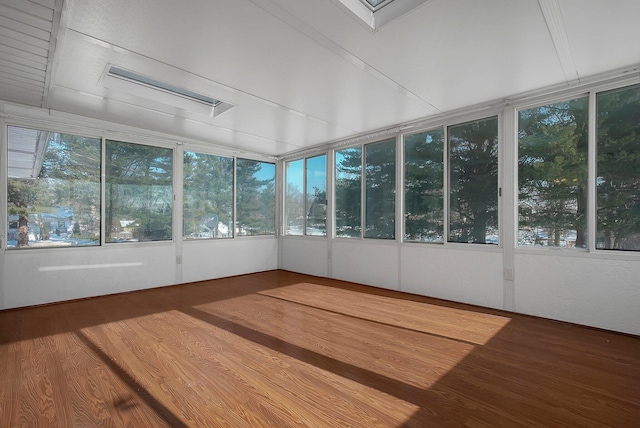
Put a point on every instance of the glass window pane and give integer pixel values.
(138, 192)
(618, 170)
(473, 169)
(348, 192)
(552, 174)
(424, 187)
(294, 198)
(380, 190)
(256, 198)
(53, 189)
(316, 196)
(208, 196)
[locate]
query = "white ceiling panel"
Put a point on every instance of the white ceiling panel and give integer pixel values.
(451, 53)
(301, 73)
(603, 35)
(26, 45)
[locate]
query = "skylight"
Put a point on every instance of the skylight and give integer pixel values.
(376, 3)
(376, 13)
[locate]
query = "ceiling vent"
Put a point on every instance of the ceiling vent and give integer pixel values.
(139, 85)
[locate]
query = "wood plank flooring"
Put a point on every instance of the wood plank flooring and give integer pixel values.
(278, 349)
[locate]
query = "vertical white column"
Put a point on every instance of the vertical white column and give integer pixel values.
(331, 223)
(178, 195)
(508, 183)
(280, 201)
(592, 203)
(3, 207)
(399, 203)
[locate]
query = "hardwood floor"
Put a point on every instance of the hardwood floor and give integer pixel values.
(278, 349)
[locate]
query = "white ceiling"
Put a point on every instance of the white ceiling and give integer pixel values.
(302, 72)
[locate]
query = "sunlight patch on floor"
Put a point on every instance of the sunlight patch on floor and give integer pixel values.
(457, 324)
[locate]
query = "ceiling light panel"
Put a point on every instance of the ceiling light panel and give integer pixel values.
(131, 82)
(163, 86)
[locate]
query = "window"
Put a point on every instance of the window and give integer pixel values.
(294, 197)
(618, 169)
(53, 189)
(306, 210)
(316, 196)
(208, 196)
(473, 182)
(348, 192)
(256, 197)
(424, 187)
(553, 174)
(138, 192)
(380, 190)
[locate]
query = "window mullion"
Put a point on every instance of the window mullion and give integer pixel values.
(305, 197)
(234, 203)
(446, 181)
(592, 156)
(103, 187)
(363, 190)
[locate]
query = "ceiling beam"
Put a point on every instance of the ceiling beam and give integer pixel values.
(557, 30)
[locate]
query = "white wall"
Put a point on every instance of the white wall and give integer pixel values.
(202, 260)
(305, 255)
(33, 277)
(600, 289)
(431, 270)
(594, 290)
(453, 274)
(367, 262)
(38, 276)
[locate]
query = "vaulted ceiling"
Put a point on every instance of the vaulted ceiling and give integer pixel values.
(299, 73)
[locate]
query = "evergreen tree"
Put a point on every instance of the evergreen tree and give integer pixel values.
(553, 170)
(67, 179)
(139, 190)
(473, 164)
(208, 191)
(255, 197)
(380, 188)
(618, 170)
(348, 192)
(424, 186)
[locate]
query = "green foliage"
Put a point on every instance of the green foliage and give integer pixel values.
(255, 197)
(618, 136)
(553, 172)
(424, 186)
(380, 190)
(348, 189)
(139, 192)
(208, 189)
(473, 161)
(68, 180)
